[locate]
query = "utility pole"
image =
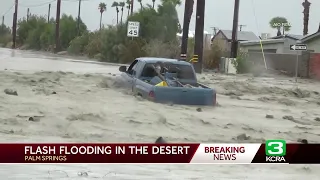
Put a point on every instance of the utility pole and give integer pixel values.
(242, 25)
(188, 9)
(198, 45)
(78, 26)
(132, 7)
(234, 41)
(28, 11)
(215, 30)
(2, 23)
(49, 13)
(57, 46)
(14, 26)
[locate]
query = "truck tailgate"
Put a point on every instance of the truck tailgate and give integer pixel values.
(186, 96)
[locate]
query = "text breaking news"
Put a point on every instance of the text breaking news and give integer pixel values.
(273, 151)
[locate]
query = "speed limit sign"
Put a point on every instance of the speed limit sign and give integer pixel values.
(133, 29)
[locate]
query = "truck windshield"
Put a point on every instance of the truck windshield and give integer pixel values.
(183, 71)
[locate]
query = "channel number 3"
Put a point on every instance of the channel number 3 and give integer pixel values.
(277, 148)
(133, 32)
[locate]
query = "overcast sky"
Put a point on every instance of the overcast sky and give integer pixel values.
(255, 14)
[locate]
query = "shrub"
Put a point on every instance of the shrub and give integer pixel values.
(211, 58)
(94, 44)
(241, 63)
(5, 35)
(47, 38)
(157, 48)
(29, 32)
(78, 44)
(68, 30)
(130, 50)
(4, 30)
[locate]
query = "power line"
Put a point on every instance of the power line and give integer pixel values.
(37, 5)
(255, 18)
(8, 10)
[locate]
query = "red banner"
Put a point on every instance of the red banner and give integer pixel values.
(97, 153)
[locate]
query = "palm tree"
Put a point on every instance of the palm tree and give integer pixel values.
(102, 8)
(140, 1)
(306, 7)
(128, 6)
(278, 23)
(121, 4)
(116, 5)
(153, 2)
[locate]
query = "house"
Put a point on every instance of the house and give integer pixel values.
(281, 44)
(224, 37)
(191, 34)
(312, 41)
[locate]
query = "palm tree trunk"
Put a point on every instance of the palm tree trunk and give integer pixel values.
(117, 17)
(100, 20)
(121, 15)
(128, 12)
(153, 5)
(279, 32)
(141, 5)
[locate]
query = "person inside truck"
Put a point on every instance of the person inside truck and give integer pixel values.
(150, 75)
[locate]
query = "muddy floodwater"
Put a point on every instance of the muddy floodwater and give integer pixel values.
(78, 102)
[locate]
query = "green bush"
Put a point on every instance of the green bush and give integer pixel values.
(78, 44)
(157, 48)
(94, 45)
(112, 38)
(4, 30)
(5, 35)
(241, 63)
(211, 58)
(47, 38)
(130, 50)
(68, 30)
(38, 34)
(158, 28)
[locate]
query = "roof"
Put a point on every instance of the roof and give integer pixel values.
(292, 36)
(157, 59)
(266, 41)
(310, 37)
(242, 35)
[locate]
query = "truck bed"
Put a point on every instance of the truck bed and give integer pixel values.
(199, 94)
(186, 96)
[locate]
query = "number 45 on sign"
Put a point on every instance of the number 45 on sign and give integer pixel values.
(133, 29)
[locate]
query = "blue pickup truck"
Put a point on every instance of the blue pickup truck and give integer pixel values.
(142, 78)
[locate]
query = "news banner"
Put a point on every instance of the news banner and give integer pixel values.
(272, 151)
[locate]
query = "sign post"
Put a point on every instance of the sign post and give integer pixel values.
(133, 29)
(297, 48)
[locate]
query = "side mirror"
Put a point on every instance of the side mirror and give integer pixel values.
(123, 68)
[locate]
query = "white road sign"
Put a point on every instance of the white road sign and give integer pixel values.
(298, 47)
(133, 29)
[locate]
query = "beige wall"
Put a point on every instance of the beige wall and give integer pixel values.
(314, 45)
(257, 47)
(280, 62)
(281, 47)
